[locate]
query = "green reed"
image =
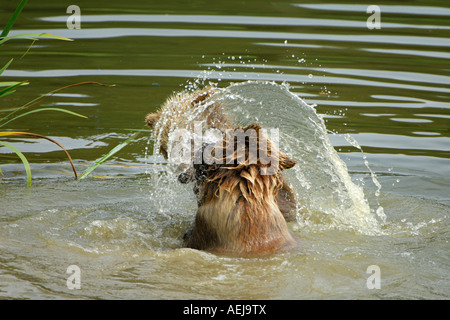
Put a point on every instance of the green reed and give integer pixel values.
(14, 114)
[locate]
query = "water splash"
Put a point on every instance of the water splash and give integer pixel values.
(327, 197)
(379, 211)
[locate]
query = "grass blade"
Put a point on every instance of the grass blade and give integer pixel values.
(13, 18)
(20, 133)
(34, 36)
(49, 94)
(10, 89)
(6, 93)
(6, 66)
(22, 157)
(109, 154)
(11, 83)
(40, 110)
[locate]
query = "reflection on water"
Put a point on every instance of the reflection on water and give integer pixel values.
(383, 96)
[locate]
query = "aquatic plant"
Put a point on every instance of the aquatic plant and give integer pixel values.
(9, 87)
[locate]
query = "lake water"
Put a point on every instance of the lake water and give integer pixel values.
(383, 95)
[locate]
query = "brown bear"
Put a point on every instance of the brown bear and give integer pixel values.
(243, 204)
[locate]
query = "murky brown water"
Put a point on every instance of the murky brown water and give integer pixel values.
(384, 97)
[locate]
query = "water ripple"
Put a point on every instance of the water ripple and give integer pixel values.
(412, 10)
(218, 75)
(235, 20)
(96, 33)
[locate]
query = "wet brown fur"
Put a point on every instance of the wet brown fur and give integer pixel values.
(171, 115)
(240, 208)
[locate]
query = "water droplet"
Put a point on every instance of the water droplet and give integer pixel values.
(310, 76)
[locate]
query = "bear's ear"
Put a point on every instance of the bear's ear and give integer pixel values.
(151, 119)
(286, 162)
(255, 126)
